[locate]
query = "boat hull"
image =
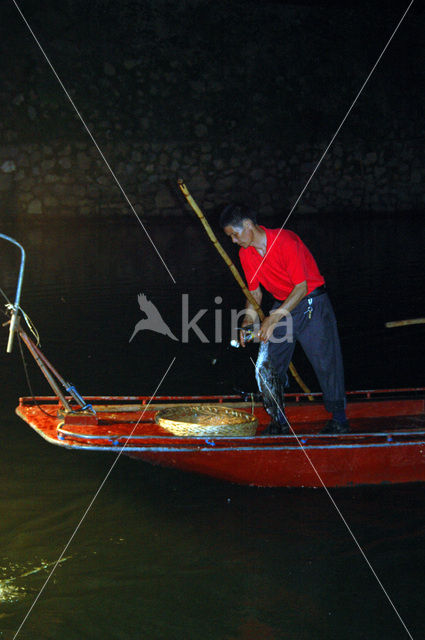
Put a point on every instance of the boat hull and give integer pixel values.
(282, 466)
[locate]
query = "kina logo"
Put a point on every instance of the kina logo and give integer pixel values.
(153, 320)
(191, 319)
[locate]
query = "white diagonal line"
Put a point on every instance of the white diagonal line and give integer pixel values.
(93, 139)
(336, 506)
(93, 500)
(335, 134)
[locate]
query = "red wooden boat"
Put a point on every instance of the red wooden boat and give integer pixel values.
(387, 443)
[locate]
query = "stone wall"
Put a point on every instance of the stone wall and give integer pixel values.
(65, 178)
(222, 94)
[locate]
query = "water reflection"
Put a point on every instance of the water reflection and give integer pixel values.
(14, 574)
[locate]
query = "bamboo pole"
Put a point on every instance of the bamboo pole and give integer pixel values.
(404, 323)
(235, 273)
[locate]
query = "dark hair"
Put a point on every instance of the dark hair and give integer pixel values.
(234, 214)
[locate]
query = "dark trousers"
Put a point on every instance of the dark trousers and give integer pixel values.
(314, 327)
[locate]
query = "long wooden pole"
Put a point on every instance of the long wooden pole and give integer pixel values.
(235, 272)
(404, 323)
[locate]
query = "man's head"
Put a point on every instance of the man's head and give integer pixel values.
(239, 223)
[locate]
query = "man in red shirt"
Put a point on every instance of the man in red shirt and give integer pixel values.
(279, 261)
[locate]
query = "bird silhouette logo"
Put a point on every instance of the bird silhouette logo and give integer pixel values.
(153, 320)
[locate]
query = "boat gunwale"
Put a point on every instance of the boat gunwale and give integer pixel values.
(174, 443)
(67, 436)
(359, 395)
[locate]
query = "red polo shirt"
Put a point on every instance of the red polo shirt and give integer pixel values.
(287, 263)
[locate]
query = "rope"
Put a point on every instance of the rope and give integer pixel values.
(34, 399)
(5, 296)
(31, 326)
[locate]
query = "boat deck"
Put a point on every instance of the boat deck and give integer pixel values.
(131, 421)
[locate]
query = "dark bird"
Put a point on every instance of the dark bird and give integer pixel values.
(153, 321)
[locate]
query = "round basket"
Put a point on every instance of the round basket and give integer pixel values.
(206, 420)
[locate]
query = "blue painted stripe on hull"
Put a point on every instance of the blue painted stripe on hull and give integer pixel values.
(234, 449)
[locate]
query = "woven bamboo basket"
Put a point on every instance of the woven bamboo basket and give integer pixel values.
(206, 420)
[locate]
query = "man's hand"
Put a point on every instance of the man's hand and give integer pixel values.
(246, 322)
(267, 327)
(269, 323)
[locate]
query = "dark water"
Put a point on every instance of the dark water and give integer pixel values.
(167, 555)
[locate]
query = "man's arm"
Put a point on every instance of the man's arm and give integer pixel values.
(295, 297)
